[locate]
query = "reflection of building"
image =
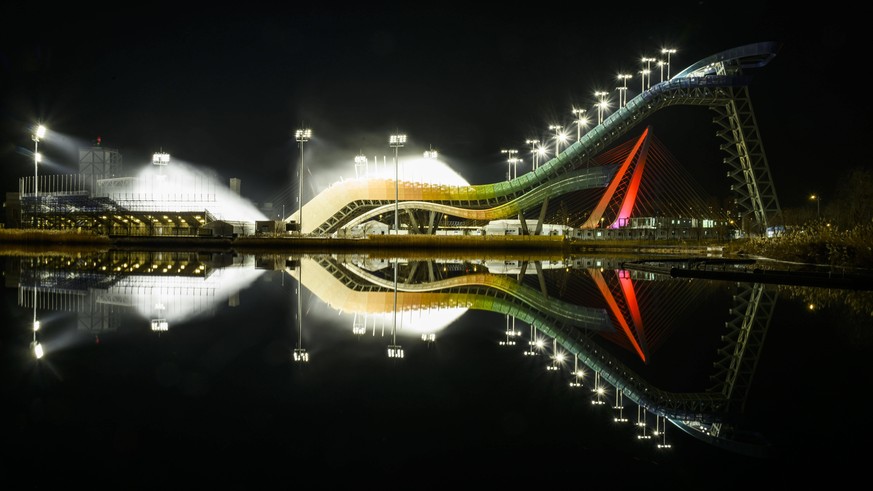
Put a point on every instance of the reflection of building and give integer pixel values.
(165, 287)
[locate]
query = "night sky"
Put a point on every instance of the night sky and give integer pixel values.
(225, 90)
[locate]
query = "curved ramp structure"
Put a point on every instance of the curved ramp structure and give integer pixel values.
(718, 82)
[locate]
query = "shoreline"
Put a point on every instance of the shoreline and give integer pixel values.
(551, 245)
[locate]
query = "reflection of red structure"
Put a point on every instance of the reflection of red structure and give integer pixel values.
(630, 300)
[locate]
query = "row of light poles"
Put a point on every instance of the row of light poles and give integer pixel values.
(602, 105)
(395, 141)
(598, 389)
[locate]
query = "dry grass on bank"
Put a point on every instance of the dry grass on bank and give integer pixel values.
(816, 243)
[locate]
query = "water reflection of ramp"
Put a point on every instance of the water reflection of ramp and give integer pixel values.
(348, 288)
(712, 415)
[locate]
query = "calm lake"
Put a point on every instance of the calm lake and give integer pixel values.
(157, 368)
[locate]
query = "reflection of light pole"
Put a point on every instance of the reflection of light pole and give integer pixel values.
(395, 142)
(817, 199)
(577, 374)
(533, 150)
(668, 52)
(300, 354)
(302, 136)
(394, 349)
(581, 121)
(619, 405)
(40, 133)
(661, 430)
(598, 390)
(557, 356)
(558, 136)
(37, 347)
(533, 343)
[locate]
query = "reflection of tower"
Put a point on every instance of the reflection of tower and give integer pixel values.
(300, 354)
(233, 299)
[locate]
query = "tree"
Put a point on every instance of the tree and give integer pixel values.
(854, 200)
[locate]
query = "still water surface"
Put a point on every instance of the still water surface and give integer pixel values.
(157, 367)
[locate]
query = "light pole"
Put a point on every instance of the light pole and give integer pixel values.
(647, 78)
(302, 136)
(581, 121)
(622, 91)
(40, 133)
(535, 161)
(817, 199)
(668, 52)
(558, 136)
(510, 160)
(395, 142)
(601, 104)
(362, 165)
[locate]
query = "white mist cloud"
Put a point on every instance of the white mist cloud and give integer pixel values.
(181, 185)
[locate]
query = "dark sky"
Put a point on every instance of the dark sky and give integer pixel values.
(225, 89)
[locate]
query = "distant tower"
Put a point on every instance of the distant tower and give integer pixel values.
(235, 184)
(99, 162)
